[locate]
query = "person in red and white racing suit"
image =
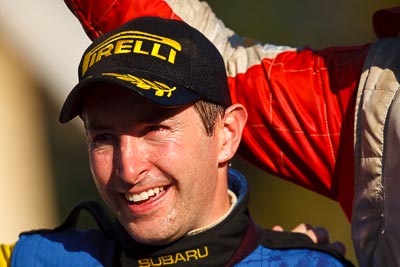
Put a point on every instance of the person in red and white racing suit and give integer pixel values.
(326, 120)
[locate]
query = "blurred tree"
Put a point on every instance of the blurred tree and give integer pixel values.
(26, 196)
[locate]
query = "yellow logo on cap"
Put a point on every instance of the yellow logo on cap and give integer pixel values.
(160, 88)
(131, 42)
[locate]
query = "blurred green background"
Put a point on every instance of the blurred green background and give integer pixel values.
(294, 23)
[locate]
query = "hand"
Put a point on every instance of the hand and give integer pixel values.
(318, 235)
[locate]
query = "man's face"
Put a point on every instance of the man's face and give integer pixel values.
(155, 167)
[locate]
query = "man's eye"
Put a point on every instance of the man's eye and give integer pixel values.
(154, 130)
(102, 139)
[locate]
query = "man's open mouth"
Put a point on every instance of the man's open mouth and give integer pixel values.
(145, 195)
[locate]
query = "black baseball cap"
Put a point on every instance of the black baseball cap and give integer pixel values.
(166, 61)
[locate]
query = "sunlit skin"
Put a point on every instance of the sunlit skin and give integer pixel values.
(135, 146)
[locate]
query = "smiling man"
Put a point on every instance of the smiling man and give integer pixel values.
(156, 167)
(161, 131)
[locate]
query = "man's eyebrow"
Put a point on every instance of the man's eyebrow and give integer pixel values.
(161, 113)
(96, 126)
(158, 115)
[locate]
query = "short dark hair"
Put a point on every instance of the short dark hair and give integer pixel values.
(209, 113)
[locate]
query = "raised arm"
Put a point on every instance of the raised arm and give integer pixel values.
(300, 101)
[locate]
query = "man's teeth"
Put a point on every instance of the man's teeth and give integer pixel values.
(144, 195)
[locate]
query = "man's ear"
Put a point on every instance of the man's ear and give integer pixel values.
(232, 125)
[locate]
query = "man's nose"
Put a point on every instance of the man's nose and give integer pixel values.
(131, 161)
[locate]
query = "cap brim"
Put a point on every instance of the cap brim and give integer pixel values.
(157, 92)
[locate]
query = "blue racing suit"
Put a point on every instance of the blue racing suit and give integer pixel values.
(236, 241)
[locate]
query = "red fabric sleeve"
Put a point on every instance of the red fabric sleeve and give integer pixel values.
(301, 110)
